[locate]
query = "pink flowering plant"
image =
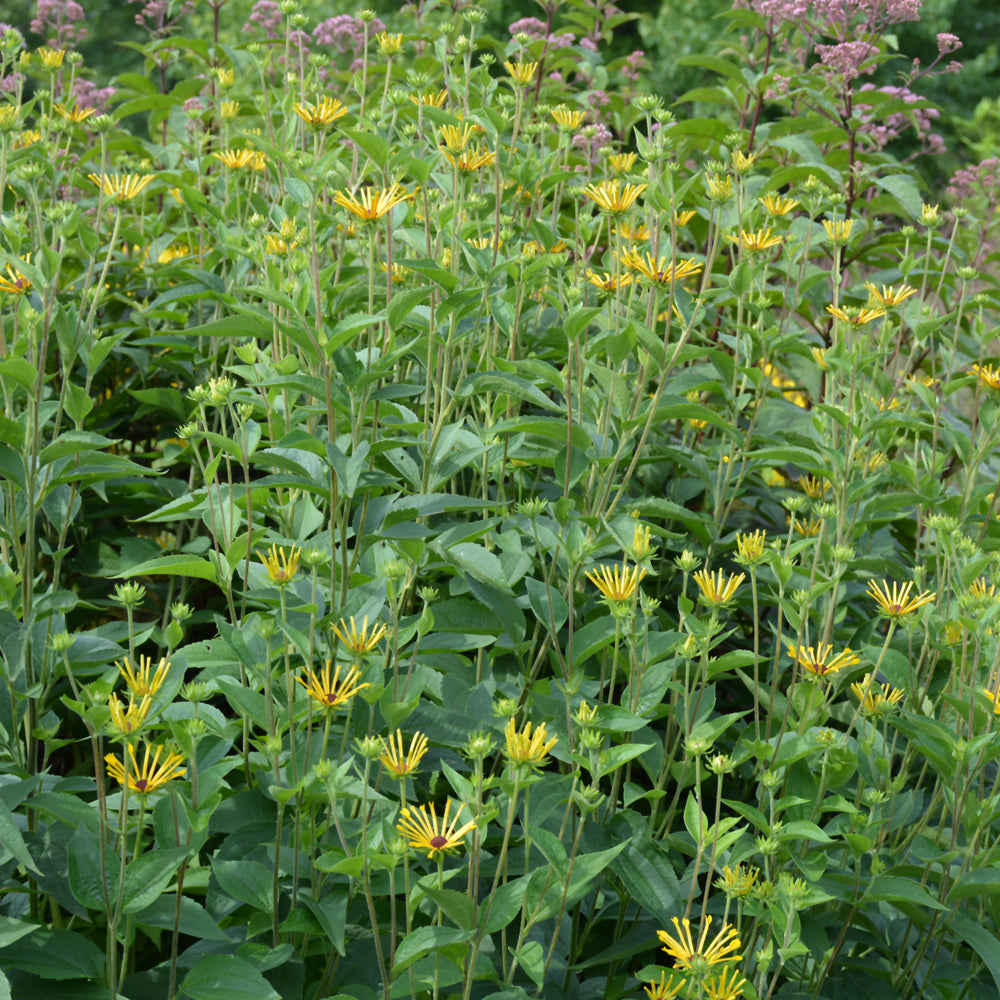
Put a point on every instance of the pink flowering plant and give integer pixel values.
(471, 527)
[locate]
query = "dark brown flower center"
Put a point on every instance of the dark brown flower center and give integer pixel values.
(438, 842)
(141, 785)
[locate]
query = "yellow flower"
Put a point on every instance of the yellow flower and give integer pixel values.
(608, 282)
(610, 200)
(363, 641)
(15, 283)
(622, 163)
(27, 137)
(839, 230)
(527, 747)
(568, 118)
(128, 720)
(750, 547)
(332, 692)
(324, 112)
(632, 234)
(616, 584)
(929, 214)
(742, 162)
(683, 217)
(470, 161)
(436, 100)
(723, 948)
(398, 761)
(281, 567)
(121, 187)
(522, 73)
(775, 205)
(275, 244)
(457, 138)
(738, 882)
(371, 203)
(889, 296)
(988, 375)
(718, 590)
(994, 697)
(719, 188)
(897, 603)
(819, 356)
(876, 699)
(661, 271)
(75, 115)
(808, 529)
(726, 986)
(225, 75)
(813, 486)
(228, 110)
(234, 158)
(145, 681)
(428, 833)
(854, 315)
(760, 240)
(816, 660)
(642, 548)
(151, 775)
(665, 989)
(51, 58)
(389, 44)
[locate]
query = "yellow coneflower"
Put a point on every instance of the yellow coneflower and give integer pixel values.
(616, 583)
(638, 233)
(662, 271)
(74, 114)
(151, 775)
(121, 187)
(436, 99)
(401, 762)
(145, 680)
(622, 163)
(813, 487)
(568, 118)
(876, 699)
(777, 206)
(16, 283)
(742, 162)
(665, 989)
(389, 44)
(425, 831)
(360, 641)
(856, 316)
(808, 529)
(987, 375)
(683, 216)
(737, 882)
(718, 590)
(27, 137)
(321, 114)
(456, 138)
(525, 746)
(838, 230)
(234, 159)
(896, 604)
(521, 72)
(613, 199)
(609, 282)
(228, 110)
(470, 161)
(642, 547)
(51, 58)
(724, 947)
(371, 203)
(816, 660)
(890, 296)
(750, 547)
(760, 240)
(226, 76)
(332, 692)
(720, 189)
(273, 243)
(728, 985)
(281, 567)
(126, 720)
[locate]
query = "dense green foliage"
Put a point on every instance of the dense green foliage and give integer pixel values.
(460, 520)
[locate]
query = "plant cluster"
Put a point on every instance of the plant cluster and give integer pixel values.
(469, 531)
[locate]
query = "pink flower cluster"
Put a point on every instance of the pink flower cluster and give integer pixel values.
(892, 126)
(88, 95)
(848, 59)
(537, 31)
(633, 65)
(266, 14)
(346, 34)
(978, 181)
(58, 19)
(592, 139)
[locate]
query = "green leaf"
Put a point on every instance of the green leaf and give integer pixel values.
(194, 918)
(893, 889)
(982, 882)
(148, 875)
(226, 977)
(248, 881)
(982, 941)
(507, 384)
(498, 910)
(11, 841)
(456, 906)
(903, 187)
(425, 940)
(173, 565)
(12, 930)
(55, 954)
(649, 879)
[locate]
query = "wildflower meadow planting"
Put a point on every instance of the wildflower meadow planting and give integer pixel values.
(472, 528)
